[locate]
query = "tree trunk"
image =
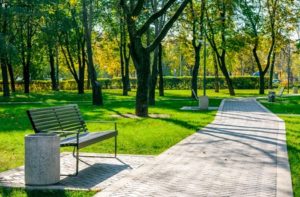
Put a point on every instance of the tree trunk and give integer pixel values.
(81, 66)
(124, 58)
(141, 58)
(217, 84)
(127, 79)
(153, 80)
(88, 84)
(272, 71)
(261, 83)
(52, 69)
(96, 86)
(57, 68)
(5, 82)
(26, 77)
(196, 71)
(261, 72)
(122, 63)
(3, 53)
(143, 73)
(227, 76)
(11, 77)
(160, 71)
(229, 83)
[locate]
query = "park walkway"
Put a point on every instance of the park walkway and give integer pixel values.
(242, 153)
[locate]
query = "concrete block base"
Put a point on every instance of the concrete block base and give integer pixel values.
(203, 102)
(42, 159)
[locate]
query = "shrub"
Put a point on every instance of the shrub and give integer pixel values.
(170, 83)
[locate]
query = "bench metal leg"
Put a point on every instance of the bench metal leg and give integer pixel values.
(75, 155)
(116, 146)
(77, 160)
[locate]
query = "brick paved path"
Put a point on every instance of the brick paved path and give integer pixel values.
(242, 153)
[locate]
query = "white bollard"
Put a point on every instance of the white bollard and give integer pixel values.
(295, 90)
(42, 159)
(203, 102)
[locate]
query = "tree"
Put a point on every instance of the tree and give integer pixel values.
(50, 39)
(28, 24)
(198, 35)
(140, 53)
(254, 13)
(157, 56)
(124, 55)
(3, 47)
(87, 23)
(219, 26)
(72, 44)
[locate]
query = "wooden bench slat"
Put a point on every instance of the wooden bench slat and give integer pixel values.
(47, 126)
(53, 115)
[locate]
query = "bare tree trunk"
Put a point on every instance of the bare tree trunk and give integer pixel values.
(272, 71)
(143, 75)
(57, 67)
(52, 69)
(5, 83)
(3, 57)
(153, 80)
(124, 58)
(127, 79)
(195, 72)
(11, 77)
(96, 86)
(160, 72)
(217, 83)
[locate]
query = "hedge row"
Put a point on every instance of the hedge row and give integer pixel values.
(169, 83)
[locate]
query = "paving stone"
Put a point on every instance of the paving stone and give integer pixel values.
(242, 153)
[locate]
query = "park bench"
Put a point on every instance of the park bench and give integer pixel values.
(67, 122)
(280, 93)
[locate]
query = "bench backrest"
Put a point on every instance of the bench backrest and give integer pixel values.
(62, 118)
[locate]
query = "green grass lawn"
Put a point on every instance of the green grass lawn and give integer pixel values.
(5, 192)
(288, 108)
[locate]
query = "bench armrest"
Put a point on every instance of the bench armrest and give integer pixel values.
(103, 121)
(65, 133)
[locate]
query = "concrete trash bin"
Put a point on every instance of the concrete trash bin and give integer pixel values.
(271, 96)
(42, 159)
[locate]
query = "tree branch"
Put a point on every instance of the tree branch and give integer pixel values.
(138, 8)
(155, 16)
(167, 27)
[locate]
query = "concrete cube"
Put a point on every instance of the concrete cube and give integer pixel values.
(42, 159)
